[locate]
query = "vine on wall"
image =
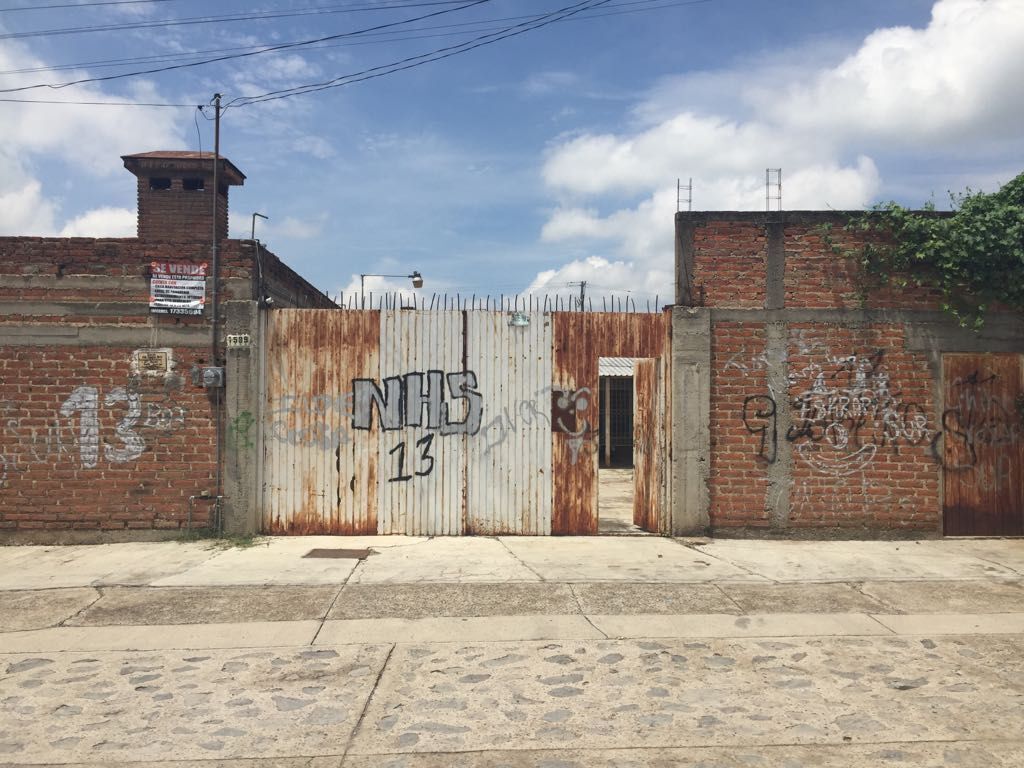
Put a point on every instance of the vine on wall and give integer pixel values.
(974, 256)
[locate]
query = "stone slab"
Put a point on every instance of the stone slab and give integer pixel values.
(334, 761)
(620, 694)
(39, 608)
(272, 561)
(189, 705)
(414, 601)
(634, 598)
(801, 598)
(456, 630)
(198, 636)
(617, 558)
(845, 561)
(948, 596)
(445, 560)
(97, 564)
(955, 624)
(963, 754)
(206, 605)
(725, 625)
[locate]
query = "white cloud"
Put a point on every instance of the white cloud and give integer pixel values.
(102, 222)
(949, 87)
(85, 138)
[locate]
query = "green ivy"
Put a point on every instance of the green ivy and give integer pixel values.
(974, 255)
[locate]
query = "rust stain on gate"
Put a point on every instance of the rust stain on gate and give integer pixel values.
(321, 475)
(579, 340)
(982, 445)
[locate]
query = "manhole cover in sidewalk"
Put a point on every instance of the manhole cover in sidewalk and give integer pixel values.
(340, 554)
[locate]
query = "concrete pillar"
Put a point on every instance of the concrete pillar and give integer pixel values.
(691, 416)
(242, 419)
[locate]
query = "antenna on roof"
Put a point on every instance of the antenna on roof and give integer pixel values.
(772, 188)
(680, 189)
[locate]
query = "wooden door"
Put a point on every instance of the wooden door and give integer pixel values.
(982, 445)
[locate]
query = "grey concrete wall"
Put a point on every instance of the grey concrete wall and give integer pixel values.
(691, 413)
(241, 427)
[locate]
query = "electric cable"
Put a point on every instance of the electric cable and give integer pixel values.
(282, 46)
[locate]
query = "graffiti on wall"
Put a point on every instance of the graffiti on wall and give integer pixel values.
(980, 417)
(141, 413)
(843, 410)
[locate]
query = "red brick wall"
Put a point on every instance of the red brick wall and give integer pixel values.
(817, 277)
(862, 415)
(730, 264)
(85, 443)
(843, 438)
(738, 481)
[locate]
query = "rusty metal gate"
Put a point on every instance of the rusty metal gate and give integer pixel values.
(982, 445)
(649, 450)
(441, 422)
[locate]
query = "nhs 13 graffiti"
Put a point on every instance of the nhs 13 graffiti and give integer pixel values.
(425, 461)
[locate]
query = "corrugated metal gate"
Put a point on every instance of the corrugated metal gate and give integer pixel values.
(440, 422)
(982, 445)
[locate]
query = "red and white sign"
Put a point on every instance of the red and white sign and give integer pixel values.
(177, 288)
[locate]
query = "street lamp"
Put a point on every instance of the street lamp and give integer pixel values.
(416, 277)
(252, 236)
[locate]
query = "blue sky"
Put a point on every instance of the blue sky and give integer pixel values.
(532, 163)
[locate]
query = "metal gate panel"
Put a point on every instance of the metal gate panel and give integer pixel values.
(509, 460)
(579, 340)
(649, 456)
(319, 474)
(982, 450)
(421, 477)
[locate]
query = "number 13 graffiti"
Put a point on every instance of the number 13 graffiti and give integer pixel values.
(426, 460)
(85, 401)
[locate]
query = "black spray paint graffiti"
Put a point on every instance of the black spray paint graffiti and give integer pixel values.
(404, 398)
(759, 417)
(842, 417)
(979, 418)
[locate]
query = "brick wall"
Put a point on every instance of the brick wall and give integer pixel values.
(824, 403)
(88, 442)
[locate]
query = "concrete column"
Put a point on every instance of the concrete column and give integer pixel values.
(242, 420)
(691, 415)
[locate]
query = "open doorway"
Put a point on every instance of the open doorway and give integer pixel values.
(615, 492)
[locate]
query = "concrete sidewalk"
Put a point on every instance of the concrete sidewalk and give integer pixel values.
(487, 652)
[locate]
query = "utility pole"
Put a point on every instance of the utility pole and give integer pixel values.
(583, 290)
(215, 347)
(215, 266)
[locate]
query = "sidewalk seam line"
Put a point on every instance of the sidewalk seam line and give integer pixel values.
(518, 559)
(323, 619)
(874, 618)
(730, 598)
(703, 550)
(80, 611)
(366, 706)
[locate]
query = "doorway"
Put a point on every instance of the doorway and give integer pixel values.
(616, 485)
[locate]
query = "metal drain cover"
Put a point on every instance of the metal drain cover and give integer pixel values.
(339, 554)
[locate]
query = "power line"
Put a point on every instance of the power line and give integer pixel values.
(421, 59)
(386, 37)
(282, 46)
(95, 103)
(569, 13)
(192, 20)
(82, 5)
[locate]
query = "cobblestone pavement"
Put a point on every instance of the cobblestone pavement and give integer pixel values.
(502, 653)
(531, 702)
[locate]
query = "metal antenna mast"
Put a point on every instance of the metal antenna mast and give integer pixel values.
(688, 189)
(772, 183)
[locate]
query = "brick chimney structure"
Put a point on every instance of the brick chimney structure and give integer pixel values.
(174, 195)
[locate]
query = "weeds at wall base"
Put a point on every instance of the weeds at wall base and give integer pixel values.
(215, 540)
